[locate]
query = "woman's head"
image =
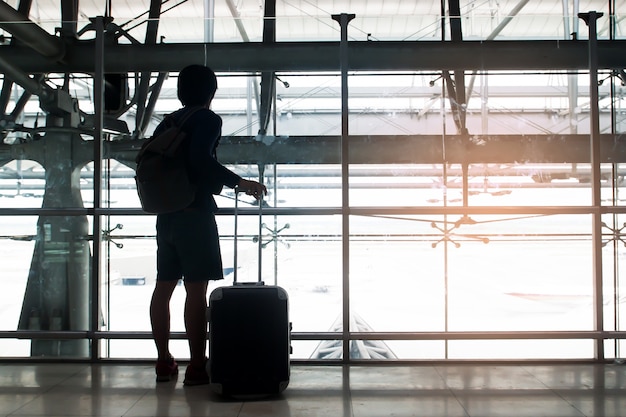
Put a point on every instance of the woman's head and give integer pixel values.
(197, 85)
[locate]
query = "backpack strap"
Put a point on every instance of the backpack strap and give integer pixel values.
(169, 123)
(187, 115)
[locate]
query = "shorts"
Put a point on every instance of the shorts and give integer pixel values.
(188, 247)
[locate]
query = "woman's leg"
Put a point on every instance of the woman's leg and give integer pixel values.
(160, 316)
(195, 321)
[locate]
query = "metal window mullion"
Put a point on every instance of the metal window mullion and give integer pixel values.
(98, 82)
(344, 19)
(434, 335)
(591, 19)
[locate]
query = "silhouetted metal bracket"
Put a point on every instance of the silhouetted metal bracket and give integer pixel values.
(616, 234)
(273, 236)
(447, 232)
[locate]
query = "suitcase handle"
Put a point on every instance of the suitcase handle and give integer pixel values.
(260, 239)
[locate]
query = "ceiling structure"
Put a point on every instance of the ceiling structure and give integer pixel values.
(188, 26)
(452, 38)
(298, 20)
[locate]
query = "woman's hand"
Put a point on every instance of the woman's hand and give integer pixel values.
(253, 188)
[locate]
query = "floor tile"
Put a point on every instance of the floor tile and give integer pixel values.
(604, 405)
(492, 403)
(301, 402)
(172, 399)
(80, 403)
(391, 377)
(12, 399)
(468, 377)
(411, 403)
(472, 390)
(33, 376)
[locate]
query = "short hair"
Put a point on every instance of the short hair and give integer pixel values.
(197, 85)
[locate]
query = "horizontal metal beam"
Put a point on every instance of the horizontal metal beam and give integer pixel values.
(423, 149)
(409, 149)
(467, 335)
(379, 149)
(324, 56)
(30, 33)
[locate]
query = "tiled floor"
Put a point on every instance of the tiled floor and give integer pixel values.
(327, 391)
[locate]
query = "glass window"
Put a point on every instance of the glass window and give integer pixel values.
(471, 204)
(46, 265)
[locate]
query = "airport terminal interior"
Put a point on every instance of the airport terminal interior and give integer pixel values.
(445, 207)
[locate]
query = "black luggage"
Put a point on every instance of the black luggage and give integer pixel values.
(249, 335)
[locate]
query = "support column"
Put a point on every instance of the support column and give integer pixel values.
(343, 20)
(98, 82)
(590, 19)
(57, 290)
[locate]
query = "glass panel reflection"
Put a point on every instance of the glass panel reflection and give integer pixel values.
(17, 243)
(46, 262)
(302, 254)
(22, 184)
(520, 349)
(488, 273)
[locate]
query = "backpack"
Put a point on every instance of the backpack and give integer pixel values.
(162, 179)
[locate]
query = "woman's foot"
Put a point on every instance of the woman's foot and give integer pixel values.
(166, 369)
(196, 375)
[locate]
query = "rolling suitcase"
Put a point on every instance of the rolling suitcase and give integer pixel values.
(249, 334)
